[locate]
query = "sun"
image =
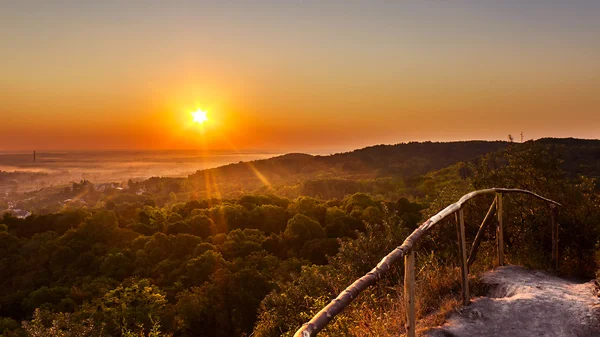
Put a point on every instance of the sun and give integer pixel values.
(199, 116)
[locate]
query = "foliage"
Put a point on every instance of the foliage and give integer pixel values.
(130, 305)
(189, 267)
(539, 168)
(47, 324)
(165, 257)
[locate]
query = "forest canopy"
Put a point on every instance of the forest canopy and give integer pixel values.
(164, 258)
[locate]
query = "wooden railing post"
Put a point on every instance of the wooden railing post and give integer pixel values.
(409, 293)
(500, 229)
(554, 224)
(484, 225)
(462, 249)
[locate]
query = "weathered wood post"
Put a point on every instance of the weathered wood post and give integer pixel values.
(462, 250)
(500, 229)
(484, 225)
(554, 224)
(409, 293)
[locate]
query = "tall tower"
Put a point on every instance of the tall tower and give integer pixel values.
(34, 156)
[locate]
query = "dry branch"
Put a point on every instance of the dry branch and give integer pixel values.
(484, 225)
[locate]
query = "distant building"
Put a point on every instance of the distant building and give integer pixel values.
(20, 213)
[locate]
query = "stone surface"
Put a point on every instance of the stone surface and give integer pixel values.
(527, 303)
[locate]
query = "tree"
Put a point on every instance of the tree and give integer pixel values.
(317, 250)
(228, 217)
(158, 248)
(183, 245)
(100, 227)
(360, 201)
(269, 219)
(117, 266)
(203, 247)
(282, 312)
(220, 308)
(339, 224)
(45, 296)
(153, 217)
(202, 226)
(301, 229)
(372, 215)
(309, 207)
(132, 302)
(274, 245)
(199, 269)
(8, 326)
(539, 168)
(47, 324)
(241, 243)
(179, 227)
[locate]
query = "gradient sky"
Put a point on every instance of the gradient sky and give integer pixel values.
(295, 75)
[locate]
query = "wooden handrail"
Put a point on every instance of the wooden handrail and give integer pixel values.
(323, 317)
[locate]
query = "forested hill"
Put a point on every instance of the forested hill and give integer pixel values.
(580, 156)
(403, 162)
(387, 171)
(407, 159)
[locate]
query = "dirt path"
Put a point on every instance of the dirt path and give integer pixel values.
(525, 303)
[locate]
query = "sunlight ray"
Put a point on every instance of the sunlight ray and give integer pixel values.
(260, 176)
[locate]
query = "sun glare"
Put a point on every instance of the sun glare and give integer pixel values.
(199, 116)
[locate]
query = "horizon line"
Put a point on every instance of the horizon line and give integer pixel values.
(267, 150)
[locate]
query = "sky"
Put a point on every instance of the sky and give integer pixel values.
(290, 75)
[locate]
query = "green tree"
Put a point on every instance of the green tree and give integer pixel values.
(204, 247)
(301, 229)
(100, 227)
(158, 248)
(179, 227)
(360, 201)
(47, 324)
(131, 303)
(241, 243)
(269, 219)
(202, 226)
(183, 245)
(199, 269)
(117, 265)
(309, 207)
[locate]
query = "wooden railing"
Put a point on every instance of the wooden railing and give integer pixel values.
(406, 251)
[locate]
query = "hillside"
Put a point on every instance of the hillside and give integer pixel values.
(413, 168)
(342, 171)
(580, 156)
(405, 159)
(417, 170)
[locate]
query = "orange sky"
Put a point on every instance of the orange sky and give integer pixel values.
(295, 76)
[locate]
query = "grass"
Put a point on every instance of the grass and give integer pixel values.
(438, 295)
